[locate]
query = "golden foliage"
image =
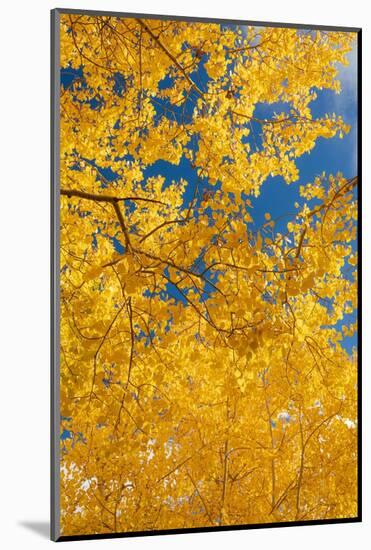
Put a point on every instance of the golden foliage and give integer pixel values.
(203, 377)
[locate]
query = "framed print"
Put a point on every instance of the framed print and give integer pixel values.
(205, 264)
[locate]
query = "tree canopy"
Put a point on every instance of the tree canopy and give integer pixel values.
(204, 380)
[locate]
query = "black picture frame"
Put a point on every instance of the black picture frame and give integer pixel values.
(55, 298)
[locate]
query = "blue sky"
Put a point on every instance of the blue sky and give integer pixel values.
(276, 197)
(329, 155)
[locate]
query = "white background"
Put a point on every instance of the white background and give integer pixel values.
(24, 269)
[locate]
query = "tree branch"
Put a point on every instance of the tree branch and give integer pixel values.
(105, 198)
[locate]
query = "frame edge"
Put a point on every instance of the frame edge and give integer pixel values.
(54, 283)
